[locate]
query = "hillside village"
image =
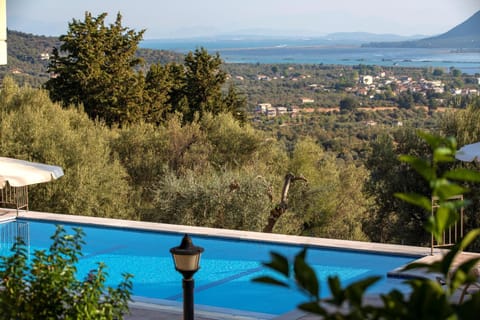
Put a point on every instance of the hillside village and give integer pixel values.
(381, 85)
(287, 90)
(367, 86)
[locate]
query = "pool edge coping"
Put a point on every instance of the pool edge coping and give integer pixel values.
(373, 247)
(212, 312)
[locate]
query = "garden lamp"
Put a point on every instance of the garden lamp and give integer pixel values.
(186, 258)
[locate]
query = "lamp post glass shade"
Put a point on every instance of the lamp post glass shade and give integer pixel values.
(186, 256)
(187, 259)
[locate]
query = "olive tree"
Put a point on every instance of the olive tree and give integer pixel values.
(331, 203)
(230, 199)
(392, 220)
(35, 129)
(217, 172)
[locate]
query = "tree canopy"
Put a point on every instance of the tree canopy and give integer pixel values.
(348, 104)
(96, 66)
(35, 129)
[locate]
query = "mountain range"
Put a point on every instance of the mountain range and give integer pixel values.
(265, 39)
(466, 35)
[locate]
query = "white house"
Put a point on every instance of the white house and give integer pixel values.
(306, 100)
(366, 79)
(281, 110)
(263, 107)
(271, 112)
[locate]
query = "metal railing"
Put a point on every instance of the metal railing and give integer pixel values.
(16, 197)
(453, 233)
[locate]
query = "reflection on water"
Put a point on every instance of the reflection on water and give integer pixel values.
(10, 231)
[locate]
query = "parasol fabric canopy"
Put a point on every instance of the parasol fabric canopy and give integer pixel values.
(20, 173)
(469, 152)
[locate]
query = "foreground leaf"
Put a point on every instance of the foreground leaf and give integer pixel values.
(270, 280)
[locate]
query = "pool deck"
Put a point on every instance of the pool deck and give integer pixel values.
(150, 310)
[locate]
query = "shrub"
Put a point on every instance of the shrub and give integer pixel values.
(46, 286)
(35, 129)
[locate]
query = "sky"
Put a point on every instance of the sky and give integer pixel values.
(195, 18)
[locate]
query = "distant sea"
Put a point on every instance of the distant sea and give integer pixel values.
(306, 51)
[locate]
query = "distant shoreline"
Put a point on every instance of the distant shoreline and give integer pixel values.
(300, 52)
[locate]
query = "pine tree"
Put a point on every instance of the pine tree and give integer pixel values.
(204, 80)
(94, 66)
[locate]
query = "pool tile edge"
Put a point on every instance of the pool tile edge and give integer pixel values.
(413, 251)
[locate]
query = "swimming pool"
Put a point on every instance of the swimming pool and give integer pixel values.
(227, 265)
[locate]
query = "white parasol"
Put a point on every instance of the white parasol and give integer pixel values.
(20, 173)
(16, 175)
(469, 152)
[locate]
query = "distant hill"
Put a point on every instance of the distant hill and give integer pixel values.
(27, 57)
(465, 35)
(366, 36)
(240, 40)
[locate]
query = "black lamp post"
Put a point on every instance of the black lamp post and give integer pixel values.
(187, 258)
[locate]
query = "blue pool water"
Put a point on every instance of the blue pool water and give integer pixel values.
(227, 266)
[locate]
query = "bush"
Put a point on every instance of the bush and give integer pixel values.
(46, 287)
(233, 200)
(35, 129)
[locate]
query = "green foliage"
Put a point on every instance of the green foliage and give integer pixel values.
(97, 67)
(406, 100)
(235, 200)
(155, 56)
(392, 220)
(348, 104)
(437, 72)
(141, 149)
(331, 204)
(463, 124)
(162, 87)
(204, 79)
(441, 185)
(24, 56)
(46, 287)
(150, 153)
(427, 299)
(193, 89)
(236, 103)
(35, 129)
(204, 152)
(232, 144)
(94, 68)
